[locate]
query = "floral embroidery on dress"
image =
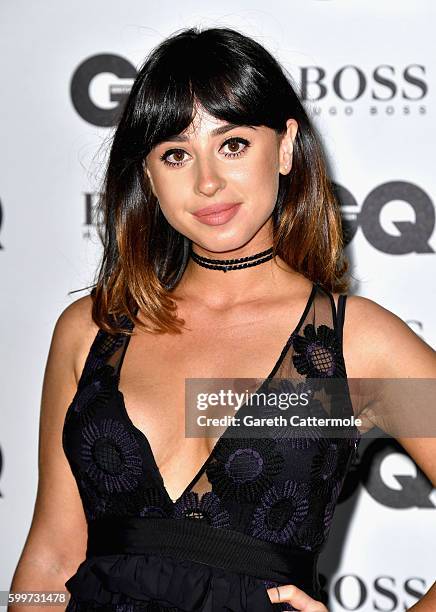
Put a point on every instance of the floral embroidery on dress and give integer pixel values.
(95, 394)
(309, 536)
(154, 504)
(243, 468)
(281, 509)
(95, 503)
(206, 508)
(318, 353)
(103, 347)
(300, 436)
(111, 455)
(327, 464)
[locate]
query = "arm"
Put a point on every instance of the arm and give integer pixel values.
(56, 542)
(376, 342)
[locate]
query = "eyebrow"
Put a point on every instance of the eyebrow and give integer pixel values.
(216, 132)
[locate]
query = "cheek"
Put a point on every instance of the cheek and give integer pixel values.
(264, 181)
(171, 193)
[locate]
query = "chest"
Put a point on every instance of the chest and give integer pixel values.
(155, 368)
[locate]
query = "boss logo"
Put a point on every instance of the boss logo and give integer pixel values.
(350, 83)
(385, 592)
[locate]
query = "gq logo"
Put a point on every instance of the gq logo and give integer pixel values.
(412, 491)
(411, 236)
(97, 92)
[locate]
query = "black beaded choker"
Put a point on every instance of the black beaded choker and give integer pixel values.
(232, 264)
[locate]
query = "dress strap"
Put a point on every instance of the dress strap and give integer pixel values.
(341, 314)
(120, 360)
(126, 341)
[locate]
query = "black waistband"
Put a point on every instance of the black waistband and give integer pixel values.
(199, 542)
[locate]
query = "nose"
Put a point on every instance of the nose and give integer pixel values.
(208, 179)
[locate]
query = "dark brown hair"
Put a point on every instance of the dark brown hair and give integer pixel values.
(237, 80)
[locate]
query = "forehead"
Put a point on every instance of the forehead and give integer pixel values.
(203, 122)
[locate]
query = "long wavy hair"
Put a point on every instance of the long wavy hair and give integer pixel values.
(235, 79)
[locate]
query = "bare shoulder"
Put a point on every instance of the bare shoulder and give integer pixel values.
(75, 331)
(376, 341)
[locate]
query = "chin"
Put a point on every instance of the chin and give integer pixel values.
(222, 244)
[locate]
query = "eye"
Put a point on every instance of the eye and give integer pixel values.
(179, 153)
(236, 141)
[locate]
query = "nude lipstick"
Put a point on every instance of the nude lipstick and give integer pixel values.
(217, 214)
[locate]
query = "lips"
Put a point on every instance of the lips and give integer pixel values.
(214, 208)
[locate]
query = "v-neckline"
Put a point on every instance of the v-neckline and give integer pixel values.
(202, 468)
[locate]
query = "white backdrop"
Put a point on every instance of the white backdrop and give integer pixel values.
(366, 71)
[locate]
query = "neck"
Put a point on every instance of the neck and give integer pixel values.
(236, 285)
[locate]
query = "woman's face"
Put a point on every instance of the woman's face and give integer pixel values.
(214, 163)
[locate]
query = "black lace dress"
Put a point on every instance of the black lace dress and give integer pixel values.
(257, 514)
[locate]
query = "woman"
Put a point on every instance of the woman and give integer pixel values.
(213, 161)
